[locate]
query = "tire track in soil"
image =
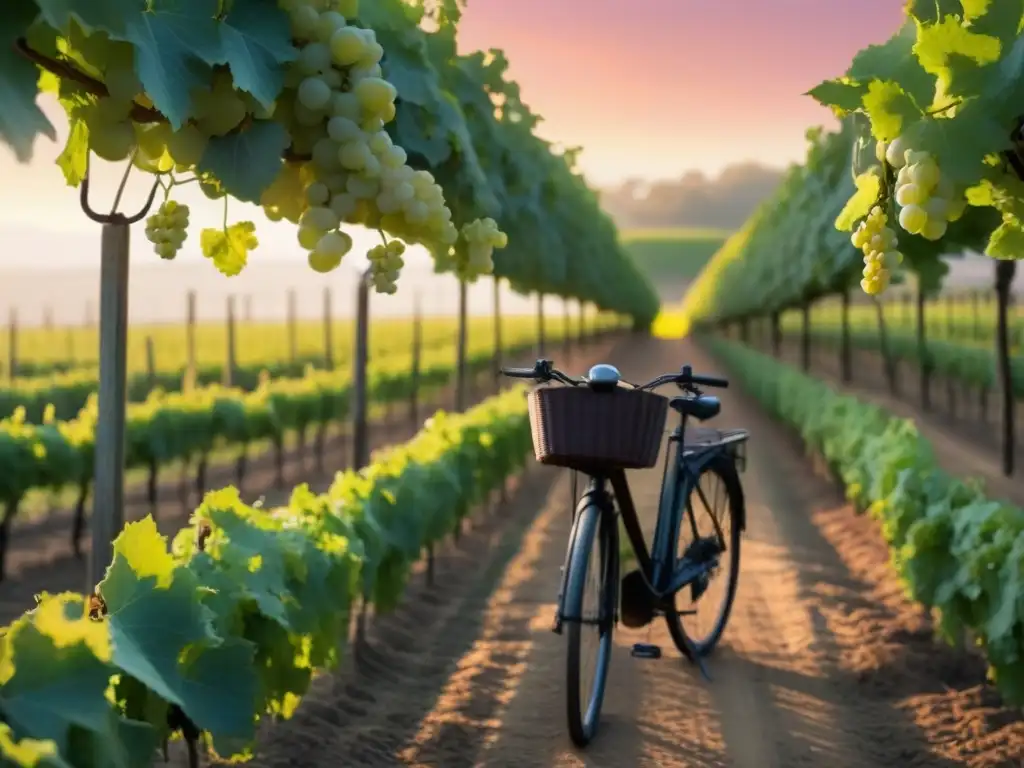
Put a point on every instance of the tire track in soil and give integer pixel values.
(823, 662)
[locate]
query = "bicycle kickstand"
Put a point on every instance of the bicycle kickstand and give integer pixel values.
(696, 658)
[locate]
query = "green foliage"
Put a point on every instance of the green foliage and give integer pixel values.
(226, 633)
(948, 83)
(790, 250)
(955, 550)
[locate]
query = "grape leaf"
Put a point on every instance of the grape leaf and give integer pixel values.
(931, 11)
(164, 638)
(1000, 19)
(869, 186)
(841, 95)
(56, 672)
(73, 161)
(28, 753)
(959, 145)
(1007, 241)
(417, 133)
(229, 248)
(108, 15)
(21, 119)
(246, 162)
(256, 40)
(175, 42)
(956, 55)
(895, 61)
(890, 109)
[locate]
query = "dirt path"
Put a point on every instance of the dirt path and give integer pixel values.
(823, 663)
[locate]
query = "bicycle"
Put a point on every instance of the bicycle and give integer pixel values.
(601, 425)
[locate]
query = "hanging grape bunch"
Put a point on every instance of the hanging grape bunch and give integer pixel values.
(928, 203)
(338, 104)
(319, 154)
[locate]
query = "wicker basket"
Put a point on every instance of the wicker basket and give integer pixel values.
(579, 428)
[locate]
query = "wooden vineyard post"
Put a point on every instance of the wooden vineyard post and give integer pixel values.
(293, 332)
(498, 352)
(950, 316)
(566, 329)
(417, 344)
(360, 404)
(190, 338)
(229, 362)
(12, 344)
(360, 407)
(845, 352)
(150, 364)
(951, 333)
(108, 478)
(328, 331)
(540, 324)
(924, 367)
(776, 331)
(805, 336)
(460, 351)
(883, 345)
(976, 315)
(1005, 272)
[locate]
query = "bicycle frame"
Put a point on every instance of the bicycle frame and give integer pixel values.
(664, 571)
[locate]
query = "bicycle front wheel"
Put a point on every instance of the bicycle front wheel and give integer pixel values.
(590, 601)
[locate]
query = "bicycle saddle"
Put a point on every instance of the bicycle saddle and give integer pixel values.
(701, 408)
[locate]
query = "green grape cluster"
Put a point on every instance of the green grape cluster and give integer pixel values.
(480, 238)
(385, 264)
(928, 202)
(167, 229)
(878, 243)
(336, 104)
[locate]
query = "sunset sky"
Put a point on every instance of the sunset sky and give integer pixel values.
(649, 88)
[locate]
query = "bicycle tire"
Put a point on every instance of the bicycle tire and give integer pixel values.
(725, 468)
(592, 521)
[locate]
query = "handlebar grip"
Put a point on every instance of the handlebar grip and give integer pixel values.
(519, 373)
(710, 381)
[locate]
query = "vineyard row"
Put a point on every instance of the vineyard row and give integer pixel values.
(956, 550)
(276, 591)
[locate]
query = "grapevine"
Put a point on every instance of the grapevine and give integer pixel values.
(940, 100)
(328, 114)
(202, 636)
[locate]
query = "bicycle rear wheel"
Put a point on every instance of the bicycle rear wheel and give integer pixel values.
(714, 509)
(590, 601)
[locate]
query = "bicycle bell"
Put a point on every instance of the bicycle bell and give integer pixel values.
(603, 376)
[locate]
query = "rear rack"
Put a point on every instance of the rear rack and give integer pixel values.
(697, 439)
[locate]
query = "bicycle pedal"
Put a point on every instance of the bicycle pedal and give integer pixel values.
(645, 651)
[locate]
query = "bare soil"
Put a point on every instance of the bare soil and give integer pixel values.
(824, 663)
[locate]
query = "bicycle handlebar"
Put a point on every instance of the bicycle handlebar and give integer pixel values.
(545, 371)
